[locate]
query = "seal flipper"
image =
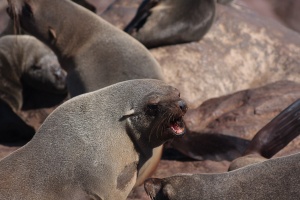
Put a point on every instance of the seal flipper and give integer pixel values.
(278, 133)
(143, 12)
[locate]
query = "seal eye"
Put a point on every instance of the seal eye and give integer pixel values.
(152, 109)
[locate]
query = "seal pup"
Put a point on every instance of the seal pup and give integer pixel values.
(27, 62)
(92, 146)
(272, 179)
(167, 22)
(273, 137)
(94, 54)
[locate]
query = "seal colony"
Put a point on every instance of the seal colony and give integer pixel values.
(95, 55)
(159, 23)
(27, 63)
(92, 146)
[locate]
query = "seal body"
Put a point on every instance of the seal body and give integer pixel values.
(95, 54)
(30, 78)
(167, 22)
(92, 146)
(271, 179)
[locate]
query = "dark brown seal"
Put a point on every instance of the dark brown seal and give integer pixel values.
(159, 23)
(271, 179)
(93, 145)
(273, 137)
(30, 77)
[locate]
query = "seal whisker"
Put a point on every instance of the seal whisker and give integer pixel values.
(157, 125)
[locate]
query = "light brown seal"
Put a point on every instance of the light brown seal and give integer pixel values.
(272, 179)
(167, 22)
(30, 78)
(94, 54)
(273, 137)
(92, 146)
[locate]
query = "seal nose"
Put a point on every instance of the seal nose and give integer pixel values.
(182, 105)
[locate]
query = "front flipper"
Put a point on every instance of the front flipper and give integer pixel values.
(143, 12)
(278, 133)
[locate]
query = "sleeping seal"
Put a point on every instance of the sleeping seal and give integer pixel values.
(30, 78)
(93, 145)
(166, 22)
(273, 137)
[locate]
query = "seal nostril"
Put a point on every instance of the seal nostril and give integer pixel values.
(182, 105)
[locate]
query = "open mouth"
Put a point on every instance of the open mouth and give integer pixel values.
(177, 127)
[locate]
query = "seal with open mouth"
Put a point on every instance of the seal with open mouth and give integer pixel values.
(93, 145)
(94, 54)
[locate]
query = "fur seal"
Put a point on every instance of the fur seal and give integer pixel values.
(271, 179)
(94, 54)
(167, 22)
(27, 63)
(92, 146)
(273, 137)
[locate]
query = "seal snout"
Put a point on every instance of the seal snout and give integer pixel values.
(177, 125)
(152, 187)
(182, 105)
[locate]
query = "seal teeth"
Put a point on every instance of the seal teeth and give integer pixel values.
(177, 126)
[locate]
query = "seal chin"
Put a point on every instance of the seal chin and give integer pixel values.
(177, 127)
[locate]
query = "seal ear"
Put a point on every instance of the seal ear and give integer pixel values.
(52, 35)
(127, 114)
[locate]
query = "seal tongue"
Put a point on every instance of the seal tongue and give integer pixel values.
(176, 128)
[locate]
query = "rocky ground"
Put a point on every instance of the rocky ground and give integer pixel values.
(249, 48)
